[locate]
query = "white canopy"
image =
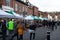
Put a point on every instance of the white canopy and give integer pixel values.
(5, 14)
(50, 17)
(17, 15)
(29, 18)
(56, 17)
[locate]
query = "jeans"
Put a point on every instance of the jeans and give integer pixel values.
(20, 37)
(15, 35)
(32, 35)
(3, 35)
(10, 34)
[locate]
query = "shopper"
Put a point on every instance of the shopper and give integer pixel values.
(32, 28)
(3, 28)
(20, 29)
(10, 28)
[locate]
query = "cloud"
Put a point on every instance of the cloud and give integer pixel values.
(47, 5)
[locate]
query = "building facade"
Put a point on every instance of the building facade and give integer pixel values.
(20, 6)
(35, 10)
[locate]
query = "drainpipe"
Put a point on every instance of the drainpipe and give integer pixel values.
(33, 10)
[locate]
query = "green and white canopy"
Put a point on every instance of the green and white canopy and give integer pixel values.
(40, 18)
(4, 14)
(15, 15)
(36, 18)
(31, 17)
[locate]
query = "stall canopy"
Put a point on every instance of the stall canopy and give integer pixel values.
(30, 17)
(56, 18)
(15, 14)
(4, 14)
(40, 18)
(36, 18)
(45, 18)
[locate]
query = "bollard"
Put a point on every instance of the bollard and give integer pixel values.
(48, 35)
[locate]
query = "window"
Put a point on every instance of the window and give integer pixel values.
(22, 9)
(24, 0)
(7, 2)
(16, 7)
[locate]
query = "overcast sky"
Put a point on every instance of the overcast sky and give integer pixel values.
(47, 5)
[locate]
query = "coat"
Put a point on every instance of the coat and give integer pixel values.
(20, 29)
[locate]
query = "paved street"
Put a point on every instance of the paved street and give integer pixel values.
(40, 34)
(55, 35)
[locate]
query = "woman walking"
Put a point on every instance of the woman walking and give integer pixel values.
(20, 29)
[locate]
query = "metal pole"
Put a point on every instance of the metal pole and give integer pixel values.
(48, 35)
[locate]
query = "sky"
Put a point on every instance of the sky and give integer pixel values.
(47, 5)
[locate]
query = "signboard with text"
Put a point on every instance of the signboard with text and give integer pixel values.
(7, 8)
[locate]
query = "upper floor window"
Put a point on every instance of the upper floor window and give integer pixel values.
(7, 2)
(23, 0)
(22, 9)
(16, 7)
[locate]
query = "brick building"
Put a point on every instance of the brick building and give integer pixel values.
(45, 14)
(35, 10)
(30, 10)
(40, 13)
(20, 6)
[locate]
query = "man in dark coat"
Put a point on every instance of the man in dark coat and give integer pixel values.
(32, 28)
(3, 24)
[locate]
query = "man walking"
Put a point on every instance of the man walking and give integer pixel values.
(10, 28)
(3, 28)
(32, 28)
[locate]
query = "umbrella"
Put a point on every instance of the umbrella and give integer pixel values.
(4, 14)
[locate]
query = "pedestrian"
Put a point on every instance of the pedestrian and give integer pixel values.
(32, 28)
(10, 29)
(15, 30)
(55, 24)
(4, 29)
(52, 25)
(20, 28)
